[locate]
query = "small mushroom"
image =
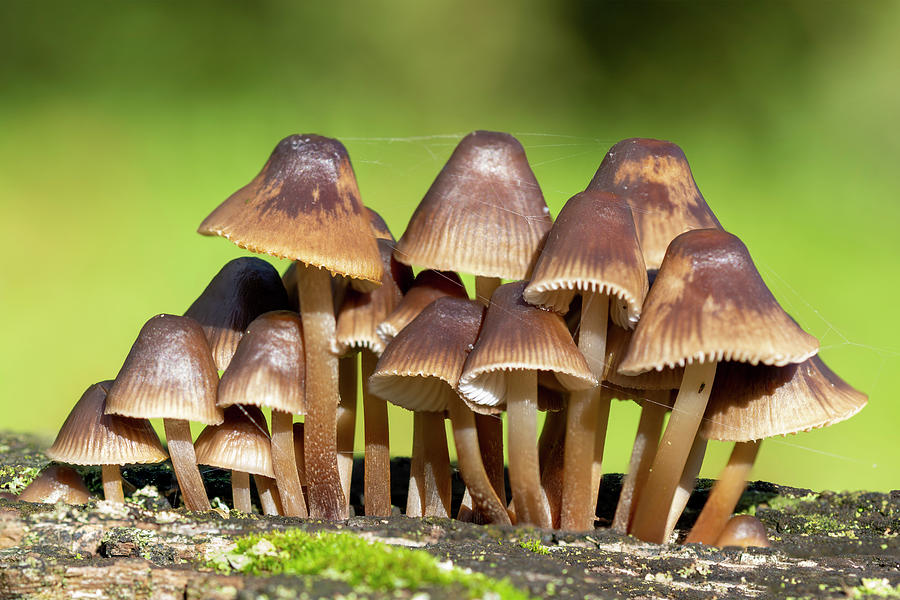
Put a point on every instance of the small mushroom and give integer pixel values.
(56, 483)
(743, 531)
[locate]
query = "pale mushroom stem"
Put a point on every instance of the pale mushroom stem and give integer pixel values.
(686, 484)
(269, 499)
(553, 432)
(240, 491)
(112, 484)
(645, 443)
(468, 452)
(668, 464)
(346, 422)
(599, 444)
(284, 463)
(415, 494)
(581, 424)
(725, 495)
(377, 484)
(326, 497)
(552, 479)
(436, 465)
(524, 470)
(184, 463)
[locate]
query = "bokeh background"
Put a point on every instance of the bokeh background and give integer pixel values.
(123, 124)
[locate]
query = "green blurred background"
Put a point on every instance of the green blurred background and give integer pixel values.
(123, 124)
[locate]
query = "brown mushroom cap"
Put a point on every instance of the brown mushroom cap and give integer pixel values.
(743, 531)
(709, 304)
(754, 402)
(268, 368)
(89, 436)
(484, 214)
(245, 288)
(654, 177)
(240, 443)
(617, 342)
(379, 227)
(519, 336)
(592, 248)
(428, 286)
(169, 373)
(56, 483)
(304, 205)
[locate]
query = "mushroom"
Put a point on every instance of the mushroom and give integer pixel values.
(57, 483)
(428, 286)
(743, 531)
(304, 206)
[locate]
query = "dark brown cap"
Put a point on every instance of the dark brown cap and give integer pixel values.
(428, 286)
(592, 248)
(743, 531)
(518, 336)
(268, 368)
(754, 402)
(617, 342)
(484, 214)
(245, 288)
(654, 177)
(91, 437)
(304, 205)
(56, 483)
(379, 227)
(709, 304)
(420, 368)
(240, 443)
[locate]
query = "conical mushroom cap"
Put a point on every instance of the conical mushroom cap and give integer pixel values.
(709, 304)
(240, 443)
(518, 336)
(484, 214)
(428, 286)
(361, 313)
(304, 205)
(753, 402)
(268, 368)
(57, 483)
(420, 368)
(592, 248)
(245, 288)
(169, 373)
(654, 177)
(379, 227)
(617, 342)
(91, 437)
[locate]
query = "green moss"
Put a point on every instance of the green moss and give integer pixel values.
(534, 545)
(363, 564)
(17, 479)
(874, 588)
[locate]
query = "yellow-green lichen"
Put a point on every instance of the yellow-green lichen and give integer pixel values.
(534, 545)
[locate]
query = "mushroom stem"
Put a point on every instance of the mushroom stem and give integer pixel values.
(415, 495)
(552, 478)
(485, 287)
(725, 495)
(465, 437)
(240, 491)
(524, 470)
(436, 465)
(269, 499)
(377, 484)
(645, 442)
(553, 432)
(184, 463)
(284, 463)
(490, 440)
(581, 424)
(346, 421)
(672, 455)
(326, 497)
(466, 513)
(599, 446)
(112, 484)
(686, 484)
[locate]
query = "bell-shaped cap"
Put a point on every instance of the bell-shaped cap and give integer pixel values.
(304, 205)
(654, 177)
(240, 443)
(268, 368)
(743, 531)
(592, 248)
(89, 436)
(379, 227)
(754, 402)
(420, 368)
(245, 288)
(361, 313)
(484, 214)
(617, 342)
(169, 374)
(709, 304)
(57, 483)
(428, 286)
(518, 336)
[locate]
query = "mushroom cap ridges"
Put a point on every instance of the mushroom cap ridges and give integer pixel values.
(240, 443)
(484, 214)
(592, 248)
(617, 342)
(709, 304)
(242, 290)
(268, 368)
(89, 436)
(169, 373)
(654, 177)
(57, 483)
(304, 205)
(428, 286)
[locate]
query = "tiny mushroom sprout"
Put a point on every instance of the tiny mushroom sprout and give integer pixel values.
(56, 483)
(90, 436)
(169, 373)
(743, 531)
(304, 205)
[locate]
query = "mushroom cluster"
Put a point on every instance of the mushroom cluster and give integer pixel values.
(635, 292)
